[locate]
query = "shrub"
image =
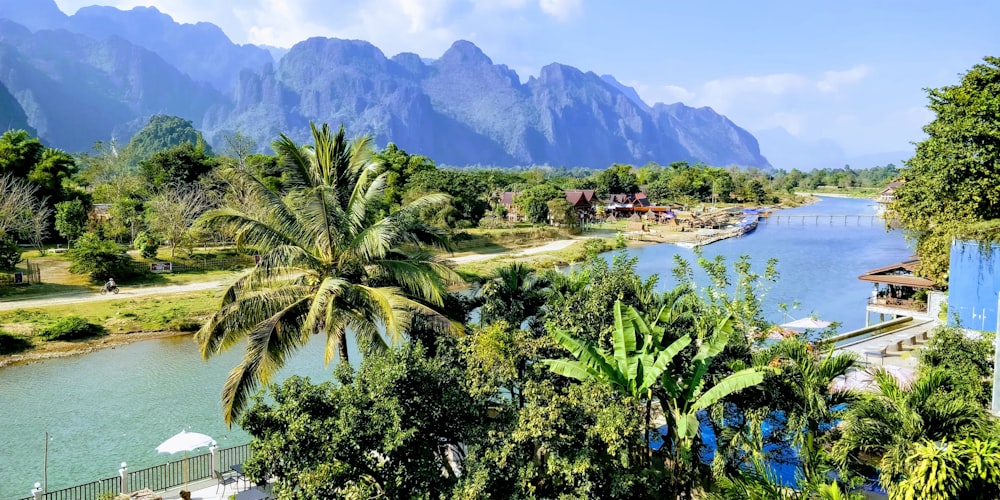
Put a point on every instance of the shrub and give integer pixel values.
(10, 253)
(146, 244)
(11, 344)
(71, 328)
(101, 259)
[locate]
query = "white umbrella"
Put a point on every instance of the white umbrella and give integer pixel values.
(807, 324)
(185, 441)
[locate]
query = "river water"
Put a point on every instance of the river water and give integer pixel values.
(116, 405)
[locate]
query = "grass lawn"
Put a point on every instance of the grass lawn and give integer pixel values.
(178, 312)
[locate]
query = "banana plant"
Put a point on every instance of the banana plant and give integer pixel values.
(684, 394)
(635, 365)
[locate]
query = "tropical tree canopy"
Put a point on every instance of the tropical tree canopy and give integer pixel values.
(329, 264)
(953, 179)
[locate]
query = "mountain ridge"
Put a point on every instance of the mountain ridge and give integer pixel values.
(461, 108)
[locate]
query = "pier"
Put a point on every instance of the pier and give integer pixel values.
(846, 219)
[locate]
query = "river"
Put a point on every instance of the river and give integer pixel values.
(116, 405)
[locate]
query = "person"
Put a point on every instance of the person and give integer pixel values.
(110, 285)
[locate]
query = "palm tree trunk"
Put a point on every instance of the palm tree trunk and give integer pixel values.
(647, 453)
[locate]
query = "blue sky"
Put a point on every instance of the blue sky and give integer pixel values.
(844, 75)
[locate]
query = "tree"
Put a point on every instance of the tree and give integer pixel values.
(19, 153)
(54, 167)
(172, 213)
(968, 360)
(514, 293)
(164, 132)
(881, 428)
(146, 245)
(617, 179)
(181, 164)
(952, 180)
(532, 203)
(100, 259)
(803, 396)
(328, 263)
(561, 212)
(18, 201)
(71, 218)
(393, 429)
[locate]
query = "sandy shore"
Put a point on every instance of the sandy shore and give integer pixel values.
(52, 350)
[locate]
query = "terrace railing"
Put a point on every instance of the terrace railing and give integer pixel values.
(157, 478)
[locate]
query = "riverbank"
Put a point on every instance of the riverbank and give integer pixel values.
(54, 350)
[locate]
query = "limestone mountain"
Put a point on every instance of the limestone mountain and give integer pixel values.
(103, 72)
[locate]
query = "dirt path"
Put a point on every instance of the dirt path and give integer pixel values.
(126, 292)
(552, 246)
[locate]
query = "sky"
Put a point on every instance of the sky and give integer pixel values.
(809, 74)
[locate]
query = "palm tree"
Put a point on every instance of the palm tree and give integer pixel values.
(880, 429)
(812, 409)
(328, 263)
(514, 293)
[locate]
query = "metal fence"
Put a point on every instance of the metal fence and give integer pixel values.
(171, 474)
(157, 478)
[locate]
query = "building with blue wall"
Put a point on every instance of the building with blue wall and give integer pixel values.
(974, 285)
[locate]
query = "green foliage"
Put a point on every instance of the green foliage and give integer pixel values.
(966, 469)
(54, 168)
(532, 203)
(880, 429)
(71, 328)
(10, 253)
(164, 132)
(19, 153)
(617, 179)
(968, 360)
(181, 164)
(330, 262)
(146, 244)
(12, 344)
(101, 259)
(583, 441)
(387, 430)
(952, 180)
(71, 218)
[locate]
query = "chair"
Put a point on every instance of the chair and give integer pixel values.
(224, 480)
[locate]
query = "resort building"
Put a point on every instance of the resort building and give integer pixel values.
(898, 293)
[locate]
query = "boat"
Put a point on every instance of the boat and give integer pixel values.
(746, 225)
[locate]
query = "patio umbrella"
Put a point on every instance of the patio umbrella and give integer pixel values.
(807, 324)
(184, 442)
(865, 380)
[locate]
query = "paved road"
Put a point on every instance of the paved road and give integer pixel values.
(146, 291)
(126, 293)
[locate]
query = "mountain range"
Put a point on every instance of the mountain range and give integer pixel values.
(102, 72)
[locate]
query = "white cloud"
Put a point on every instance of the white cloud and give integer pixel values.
(561, 10)
(833, 80)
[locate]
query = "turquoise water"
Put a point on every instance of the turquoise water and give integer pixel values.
(116, 405)
(819, 264)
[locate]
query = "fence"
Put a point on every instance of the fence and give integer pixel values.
(157, 478)
(31, 274)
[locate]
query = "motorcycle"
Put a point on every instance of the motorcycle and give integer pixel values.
(113, 289)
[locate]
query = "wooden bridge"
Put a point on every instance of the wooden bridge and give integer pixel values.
(843, 219)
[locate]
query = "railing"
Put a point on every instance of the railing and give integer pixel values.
(908, 304)
(171, 474)
(232, 456)
(88, 491)
(157, 478)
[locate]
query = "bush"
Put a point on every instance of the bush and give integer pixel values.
(12, 344)
(184, 325)
(71, 328)
(146, 244)
(101, 259)
(10, 253)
